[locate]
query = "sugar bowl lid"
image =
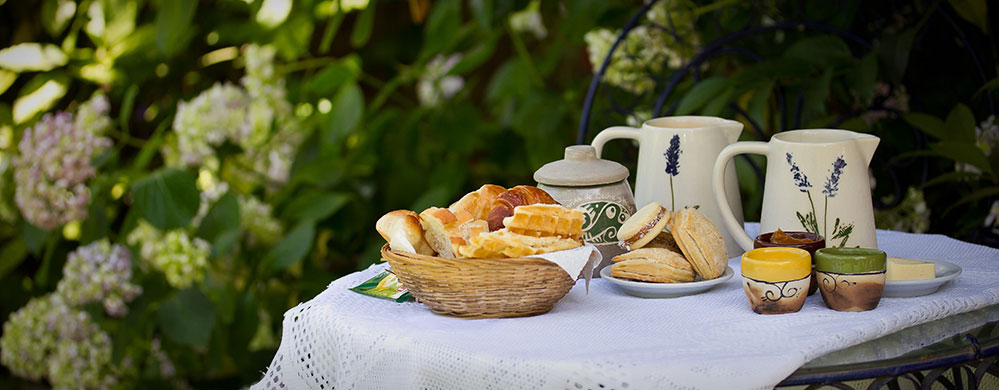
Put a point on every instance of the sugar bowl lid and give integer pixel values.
(581, 167)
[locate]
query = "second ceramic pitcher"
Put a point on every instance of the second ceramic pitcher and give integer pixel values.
(817, 181)
(675, 158)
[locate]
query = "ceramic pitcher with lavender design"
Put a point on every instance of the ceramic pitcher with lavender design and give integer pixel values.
(675, 157)
(817, 181)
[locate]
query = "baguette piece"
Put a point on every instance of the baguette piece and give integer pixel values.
(402, 230)
(517, 196)
(436, 223)
(478, 202)
(657, 265)
(701, 242)
(643, 226)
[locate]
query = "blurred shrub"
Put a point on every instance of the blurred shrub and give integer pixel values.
(174, 175)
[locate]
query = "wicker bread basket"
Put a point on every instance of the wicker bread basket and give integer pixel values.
(481, 288)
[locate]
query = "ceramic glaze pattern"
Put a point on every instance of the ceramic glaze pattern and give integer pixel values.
(601, 220)
(809, 221)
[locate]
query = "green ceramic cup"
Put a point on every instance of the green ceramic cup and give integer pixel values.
(850, 279)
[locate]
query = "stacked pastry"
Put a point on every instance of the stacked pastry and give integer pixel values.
(491, 222)
(692, 246)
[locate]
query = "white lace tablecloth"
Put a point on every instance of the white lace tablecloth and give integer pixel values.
(604, 339)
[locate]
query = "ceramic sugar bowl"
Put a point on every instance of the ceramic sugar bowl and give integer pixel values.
(597, 187)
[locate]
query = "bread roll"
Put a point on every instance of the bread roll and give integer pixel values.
(478, 202)
(517, 196)
(436, 222)
(403, 225)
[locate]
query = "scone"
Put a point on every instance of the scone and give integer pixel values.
(701, 242)
(655, 265)
(643, 226)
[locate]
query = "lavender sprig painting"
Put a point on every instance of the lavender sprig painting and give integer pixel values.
(832, 183)
(672, 155)
(800, 180)
(830, 188)
(808, 220)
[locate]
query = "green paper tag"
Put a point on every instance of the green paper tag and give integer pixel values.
(385, 285)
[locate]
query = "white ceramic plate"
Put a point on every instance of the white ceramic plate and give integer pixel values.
(664, 290)
(913, 288)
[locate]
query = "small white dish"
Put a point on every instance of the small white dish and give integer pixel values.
(665, 290)
(945, 271)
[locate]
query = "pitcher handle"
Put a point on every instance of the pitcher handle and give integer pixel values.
(718, 186)
(613, 132)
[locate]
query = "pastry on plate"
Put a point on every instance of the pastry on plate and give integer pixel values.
(701, 242)
(643, 226)
(657, 265)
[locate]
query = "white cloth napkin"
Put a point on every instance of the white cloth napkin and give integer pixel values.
(576, 262)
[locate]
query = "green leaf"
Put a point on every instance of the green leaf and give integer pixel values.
(816, 94)
(167, 199)
(56, 15)
(974, 11)
(292, 248)
(951, 177)
(701, 93)
(442, 29)
(475, 57)
(782, 68)
(362, 26)
(187, 318)
(38, 95)
(32, 56)
(221, 223)
(332, 77)
(894, 53)
(960, 124)
(863, 76)
(929, 124)
(34, 237)
(173, 24)
(248, 319)
(315, 205)
(127, 105)
(11, 256)
(824, 51)
(717, 104)
(963, 152)
(758, 103)
(992, 84)
(7, 79)
(96, 226)
(348, 107)
(976, 195)
(482, 12)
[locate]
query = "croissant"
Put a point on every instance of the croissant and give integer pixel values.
(478, 202)
(517, 196)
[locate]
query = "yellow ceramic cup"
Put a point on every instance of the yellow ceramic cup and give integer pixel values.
(776, 279)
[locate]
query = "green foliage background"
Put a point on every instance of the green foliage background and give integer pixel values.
(352, 76)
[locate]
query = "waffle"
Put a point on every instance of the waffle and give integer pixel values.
(545, 220)
(504, 243)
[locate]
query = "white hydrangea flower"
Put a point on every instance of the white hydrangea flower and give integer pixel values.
(182, 259)
(257, 217)
(911, 215)
(99, 272)
(53, 168)
(434, 86)
(986, 139)
(529, 20)
(636, 59)
(992, 220)
(49, 339)
(208, 120)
